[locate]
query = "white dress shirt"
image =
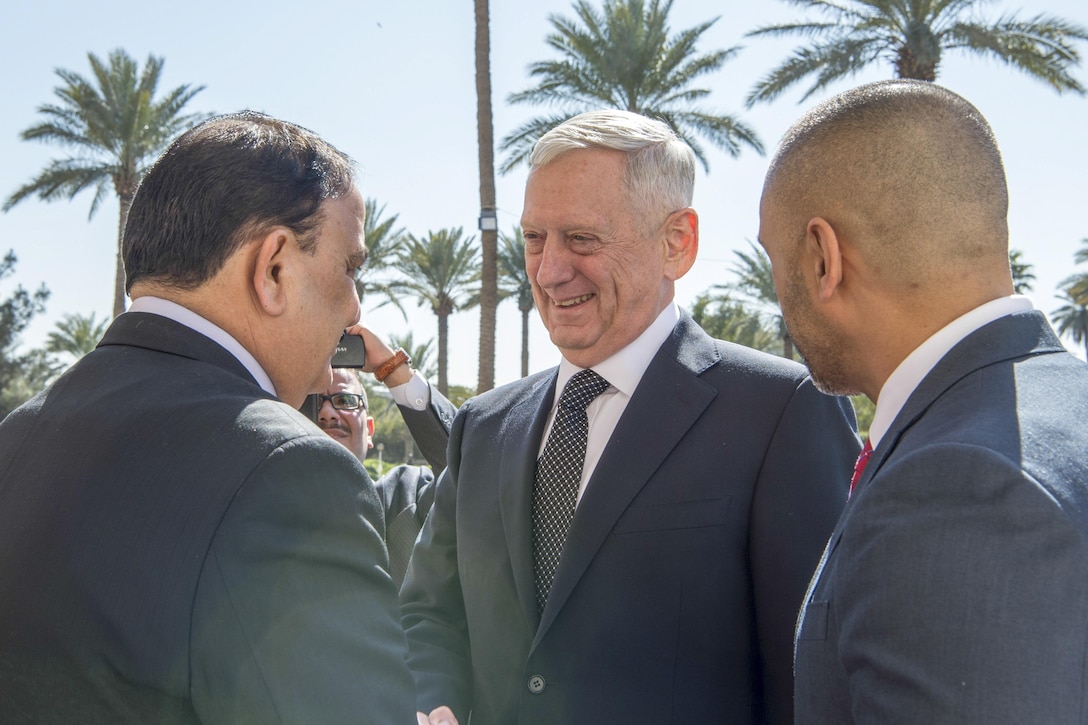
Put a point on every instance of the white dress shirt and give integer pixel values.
(185, 316)
(414, 394)
(623, 371)
(907, 376)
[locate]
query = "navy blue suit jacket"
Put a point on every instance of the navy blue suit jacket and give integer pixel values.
(177, 546)
(955, 587)
(684, 567)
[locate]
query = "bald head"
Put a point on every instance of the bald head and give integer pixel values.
(908, 173)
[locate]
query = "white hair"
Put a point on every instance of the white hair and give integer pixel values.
(660, 167)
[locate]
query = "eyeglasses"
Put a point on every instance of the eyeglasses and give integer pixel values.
(341, 401)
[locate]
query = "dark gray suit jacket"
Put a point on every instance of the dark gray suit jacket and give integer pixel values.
(176, 546)
(955, 587)
(407, 491)
(685, 565)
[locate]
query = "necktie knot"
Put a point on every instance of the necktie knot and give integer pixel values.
(583, 387)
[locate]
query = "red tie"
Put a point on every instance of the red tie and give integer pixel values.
(859, 467)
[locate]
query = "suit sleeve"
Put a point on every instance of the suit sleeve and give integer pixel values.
(296, 618)
(432, 604)
(799, 495)
(961, 595)
(430, 428)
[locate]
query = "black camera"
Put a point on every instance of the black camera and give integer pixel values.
(350, 352)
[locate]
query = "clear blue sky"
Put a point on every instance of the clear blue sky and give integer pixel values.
(392, 84)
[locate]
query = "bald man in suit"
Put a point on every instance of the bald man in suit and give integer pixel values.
(955, 586)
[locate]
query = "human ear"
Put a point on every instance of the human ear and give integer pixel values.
(273, 251)
(681, 242)
(823, 255)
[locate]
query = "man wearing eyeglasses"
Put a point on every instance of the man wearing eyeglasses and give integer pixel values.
(406, 491)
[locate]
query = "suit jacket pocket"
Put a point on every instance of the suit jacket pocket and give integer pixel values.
(813, 622)
(671, 515)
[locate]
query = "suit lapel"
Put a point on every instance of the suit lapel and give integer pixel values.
(1007, 338)
(520, 440)
(670, 390)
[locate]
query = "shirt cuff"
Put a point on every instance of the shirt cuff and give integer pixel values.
(414, 394)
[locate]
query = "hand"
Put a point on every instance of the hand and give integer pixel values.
(377, 351)
(439, 716)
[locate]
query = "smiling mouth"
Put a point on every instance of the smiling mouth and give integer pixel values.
(574, 301)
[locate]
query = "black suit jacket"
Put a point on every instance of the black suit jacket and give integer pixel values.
(176, 546)
(684, 567)
(955, 587)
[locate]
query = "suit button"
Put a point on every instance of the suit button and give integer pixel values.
(537, 684)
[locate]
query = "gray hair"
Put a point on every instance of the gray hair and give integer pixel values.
(660, 169)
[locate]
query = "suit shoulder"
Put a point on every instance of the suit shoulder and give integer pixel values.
(738, 360)
(512, 393)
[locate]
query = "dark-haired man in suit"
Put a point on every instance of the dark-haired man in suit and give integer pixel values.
(955, 586)
(406, 491)
(627, 537)
(178, 544)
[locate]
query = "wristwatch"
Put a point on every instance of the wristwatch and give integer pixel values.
(400, 357)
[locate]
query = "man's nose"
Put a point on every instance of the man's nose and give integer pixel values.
(327, 412)
(554, 266)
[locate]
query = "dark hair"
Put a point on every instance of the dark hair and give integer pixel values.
(222, 183)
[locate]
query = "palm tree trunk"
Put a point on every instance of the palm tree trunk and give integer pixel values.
(443, 331)
(525, 343)
(489, 285)
(119, 276)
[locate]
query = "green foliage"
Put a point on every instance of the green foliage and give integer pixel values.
(864, 409)
(421, 354)
(725, 318)
(1076, 285)
(514, 284)
(756, 283)
(1071, 319)
(76, 335)
(115, 127)
(624, 56)
(382, 240)
(459, 394)
(1022, 276)
(912, 35)
(21, 375)
(442, 271)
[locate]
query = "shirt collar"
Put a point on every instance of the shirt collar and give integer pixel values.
(185, 316)
(624, 369)
(907, 376)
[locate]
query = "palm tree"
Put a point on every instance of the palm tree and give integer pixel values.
(485, 141)
(21, 375)
(382, 238)
(514, 283)
(624, 57)
(1072, 319)
(1076, 285)
(76, 335)
(725, 318)
(115, 127)
(1022, 276)
(420, 353)
(912, 35)
(755, 282)
(441, 271)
